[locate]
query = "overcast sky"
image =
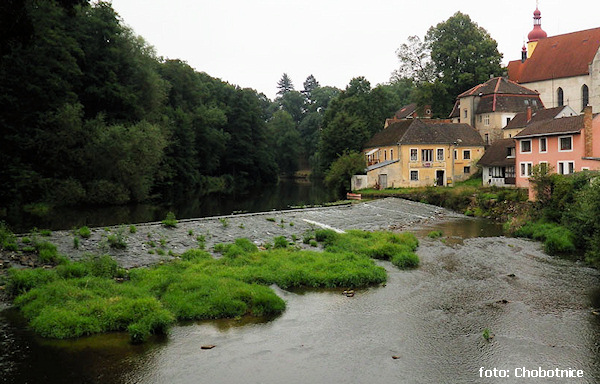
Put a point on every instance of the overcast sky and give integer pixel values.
(251, 43)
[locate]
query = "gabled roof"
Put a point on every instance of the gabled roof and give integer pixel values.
(390, 135)
(520, 119)
(498, 85)
(406, 111)
(496, 154)
(455, 110)
(559, 126)
(557, 57)
(500, 95)
(425, 132)
(508, 103)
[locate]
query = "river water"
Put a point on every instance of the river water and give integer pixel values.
(423, 326)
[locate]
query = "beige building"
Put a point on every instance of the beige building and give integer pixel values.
(490, 106)
(416, 153)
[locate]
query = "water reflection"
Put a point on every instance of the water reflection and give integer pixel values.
(286, 194)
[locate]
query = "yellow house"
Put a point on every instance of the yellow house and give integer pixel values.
(415, 153)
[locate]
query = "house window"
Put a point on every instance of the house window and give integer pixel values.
(414, 175)
(526, 169)
(479, 118)
(560, 97)
(427, 155)
(543, 145)
(486, 120)
(585, 96)
(487, 138)
(525, 146)
(440, 154)
(507, 121)
(510, 171)
(565, 143)
(566, 167)
(391, 154)
(466, 154)
(467, 169)
(385, 155)
(465, 113)
(510, 152)
(543, 167)
(585, 168)
(414, 154)
(455, 154)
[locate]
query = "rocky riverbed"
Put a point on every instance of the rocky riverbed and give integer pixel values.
(149, 243)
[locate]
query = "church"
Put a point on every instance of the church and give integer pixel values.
(564, 69)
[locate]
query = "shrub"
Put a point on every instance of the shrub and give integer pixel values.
(195, 255)
(22, 280)
(101, 266)
(47, 252)
(132, 229)
(280, 242)
(84, 232)
(170, 221)
(327, 236)
(435, 234)
(116, 241)
(8, 240)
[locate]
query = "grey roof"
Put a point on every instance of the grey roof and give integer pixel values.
(426, 132)
(496, 154)
(382, 164)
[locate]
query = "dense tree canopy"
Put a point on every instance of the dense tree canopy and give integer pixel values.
(90, 114)
(454, 56)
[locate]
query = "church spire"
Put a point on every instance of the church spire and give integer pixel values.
(537, 32)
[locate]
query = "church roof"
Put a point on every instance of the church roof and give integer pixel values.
(557, 57)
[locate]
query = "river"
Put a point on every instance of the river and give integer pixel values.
(423, 326)
(285, 194)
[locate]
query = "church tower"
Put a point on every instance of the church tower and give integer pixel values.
(536, 33)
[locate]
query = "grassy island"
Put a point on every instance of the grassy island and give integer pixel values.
(95, 295)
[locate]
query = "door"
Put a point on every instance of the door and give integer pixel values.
(382, 181)
(439, 178)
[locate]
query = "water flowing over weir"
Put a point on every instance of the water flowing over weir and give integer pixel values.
(424, 326)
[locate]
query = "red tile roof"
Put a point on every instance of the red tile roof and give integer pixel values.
(557, 57)
(498, 85)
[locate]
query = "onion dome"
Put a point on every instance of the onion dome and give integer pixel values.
(537, 32)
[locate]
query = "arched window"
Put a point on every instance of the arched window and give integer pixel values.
(560, 96)
(585, 96)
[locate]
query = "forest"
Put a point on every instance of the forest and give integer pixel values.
(91, 115)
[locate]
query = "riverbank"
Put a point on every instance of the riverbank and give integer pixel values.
(469, 197)
(150, 243)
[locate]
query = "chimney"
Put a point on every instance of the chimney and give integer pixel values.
(587, 127)
(528, 114)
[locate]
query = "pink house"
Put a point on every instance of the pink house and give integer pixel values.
(565, 145)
